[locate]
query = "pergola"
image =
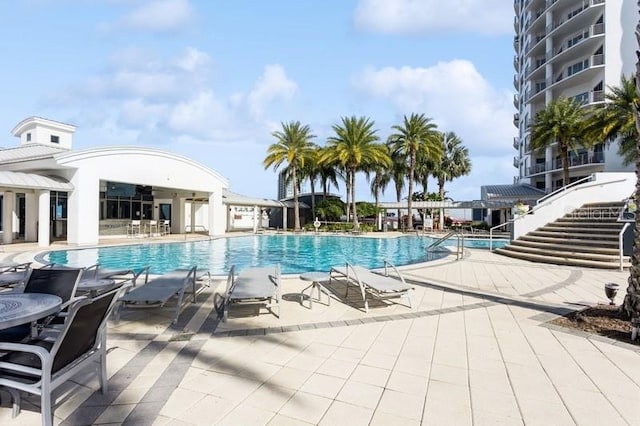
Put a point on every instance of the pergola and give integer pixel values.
(233, 199)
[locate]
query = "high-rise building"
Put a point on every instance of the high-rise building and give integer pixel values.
(575, 49)
(285, 188)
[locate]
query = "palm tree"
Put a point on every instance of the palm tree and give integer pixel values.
(311, 171)
(631, 304)
(398, 173)
(424, 169)
(562, 121)
(417, 134)
(328, 173)
(616, 119)
(379, 182)
(293, 147)
(354, 147)
(454, 163)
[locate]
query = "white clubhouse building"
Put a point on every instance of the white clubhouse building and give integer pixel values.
(51, 192)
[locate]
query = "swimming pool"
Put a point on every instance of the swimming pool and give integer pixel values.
(294, 253)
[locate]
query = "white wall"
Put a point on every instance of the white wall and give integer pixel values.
(605, 187)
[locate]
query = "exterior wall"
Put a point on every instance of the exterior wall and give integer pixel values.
(143, 167)
(604, 187)
(544, 32)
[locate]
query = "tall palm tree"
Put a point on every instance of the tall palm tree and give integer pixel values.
(355, 148)
(562, 121)
(328, 173)
(379, 182)
(416, 134)
(616, 119)
(294, 147)
(424, 169)
(455, 161)
(631, 303)
(311, 171)
(398, 173)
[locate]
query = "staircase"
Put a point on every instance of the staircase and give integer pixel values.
(588, 236)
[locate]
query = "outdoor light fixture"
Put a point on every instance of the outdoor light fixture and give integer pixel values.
(611, 290)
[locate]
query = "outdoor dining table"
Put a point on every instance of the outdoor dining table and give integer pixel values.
(23, 308)
(96, 286)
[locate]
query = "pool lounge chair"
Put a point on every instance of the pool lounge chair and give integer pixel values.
(253, 286)
(372, 284)
(158, 291)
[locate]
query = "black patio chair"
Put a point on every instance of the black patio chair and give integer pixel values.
(39, 366)
(61, 282)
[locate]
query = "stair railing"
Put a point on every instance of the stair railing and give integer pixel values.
(564, 188)
(459, 243)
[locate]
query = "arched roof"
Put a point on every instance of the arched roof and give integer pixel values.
(74, 158)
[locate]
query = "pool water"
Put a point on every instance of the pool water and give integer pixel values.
(294, 253)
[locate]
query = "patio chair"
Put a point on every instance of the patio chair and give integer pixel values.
(373, 284)
(156, 292)
(39, 366)
(253, 286)
(61, 282)
(14, 274)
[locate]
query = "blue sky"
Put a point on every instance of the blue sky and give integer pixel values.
(212, 79)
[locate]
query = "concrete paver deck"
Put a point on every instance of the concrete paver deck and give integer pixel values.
(474, 350)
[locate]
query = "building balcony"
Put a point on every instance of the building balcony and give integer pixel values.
(515, 82)
(516, 162)
(571, 49)
(515, 101)
(516, 63)
(516, 142)
(579, 160)
(581, 16)
(516, 119)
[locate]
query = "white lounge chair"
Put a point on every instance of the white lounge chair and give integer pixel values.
(371, 283)
(253, 286)
(158, 291)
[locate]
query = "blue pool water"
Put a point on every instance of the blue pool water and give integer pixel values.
(294, 253)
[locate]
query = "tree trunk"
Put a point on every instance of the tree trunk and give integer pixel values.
(312, 183)
(398, 199)
(356, 225)
(425, 193)
(631, 302)
(441, 188)
(412, 168)
(296, 205)
(348, 203)
(564, 156)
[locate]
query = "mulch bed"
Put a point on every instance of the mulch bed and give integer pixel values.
(605, 320)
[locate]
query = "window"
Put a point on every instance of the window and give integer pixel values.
(28, 137)
(577, 67)
(582, 98)
(55, 139)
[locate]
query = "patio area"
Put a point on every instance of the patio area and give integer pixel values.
(475, 349)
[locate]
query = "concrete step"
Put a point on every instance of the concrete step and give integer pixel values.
(564, 254)
(566, 247)
(582, 223)
(561, 261)
(575, 235)
(554, 227)
(562, 240)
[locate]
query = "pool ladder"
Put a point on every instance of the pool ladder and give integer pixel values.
(459, 244)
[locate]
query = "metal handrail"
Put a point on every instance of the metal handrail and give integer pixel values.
(459, 243)
(564, 188)
(621, 244)
(496, 227)
(442, 239)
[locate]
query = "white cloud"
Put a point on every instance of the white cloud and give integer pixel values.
(194, 60)
(157, 16)
(273, 84)
(454, 94)
(431, 16)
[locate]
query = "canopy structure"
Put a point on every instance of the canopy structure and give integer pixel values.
(233, 199)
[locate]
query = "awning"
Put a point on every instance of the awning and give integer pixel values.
(22, 180)
(232, 199)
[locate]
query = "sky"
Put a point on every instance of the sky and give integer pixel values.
(212, 80)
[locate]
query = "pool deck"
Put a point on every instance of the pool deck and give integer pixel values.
(477, 348)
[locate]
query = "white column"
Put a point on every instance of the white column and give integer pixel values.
(284, 218)
(31, 217)
(255, 219)
(44, 217)
(8, 203)
(217, 213)
(549, 160)
(83, 208)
